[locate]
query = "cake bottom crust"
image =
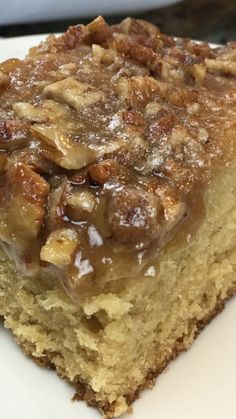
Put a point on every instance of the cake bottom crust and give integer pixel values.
(85, 393)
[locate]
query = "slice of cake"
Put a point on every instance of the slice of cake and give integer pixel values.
(118, 202)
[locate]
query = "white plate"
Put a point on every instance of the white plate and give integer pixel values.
(21, 11)
(200, 384)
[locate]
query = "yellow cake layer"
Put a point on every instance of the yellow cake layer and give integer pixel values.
(117, 341)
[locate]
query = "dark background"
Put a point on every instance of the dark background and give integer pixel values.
(210, 20)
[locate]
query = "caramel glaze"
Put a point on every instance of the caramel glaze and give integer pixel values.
(108, 137)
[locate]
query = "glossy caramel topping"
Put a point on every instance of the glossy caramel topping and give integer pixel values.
(105, 133)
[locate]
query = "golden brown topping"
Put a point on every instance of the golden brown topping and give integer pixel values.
(122, 123)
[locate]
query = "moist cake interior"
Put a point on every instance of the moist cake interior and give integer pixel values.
(117, 202)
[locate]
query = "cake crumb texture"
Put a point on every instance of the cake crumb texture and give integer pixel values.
(116, 343)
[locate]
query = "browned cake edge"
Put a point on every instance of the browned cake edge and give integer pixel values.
(84, 391)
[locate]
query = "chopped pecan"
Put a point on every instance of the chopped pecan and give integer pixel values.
(143, 55)
(228, 53)
(133, 118)
(164, 124)
(172, 72)
(102, 55)
(62, 149)
(109, 148)
(81, 201)
(221, 66)
(193, 108)
(98, 31)
(49, 111)
(138, 27)
(82, 205)
(203, 135)
(152, 108)
(198, 71)
(23, 204)
(57, 205)
(69, 40)
(180, 96)
(201, 50)
(135, 216)
(179, 171)
(73, 93)
(179, 136)
(102, 172)
(64, 71)
(32, 158)
(25, 182)
(4, 80)
(13, 134)
(138, 90)
(173, 203)
(60, 246)
(126, 149)
(10, 65)
(195, 153)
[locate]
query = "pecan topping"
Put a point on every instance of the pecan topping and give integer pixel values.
(23, 206)
(105, 134)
